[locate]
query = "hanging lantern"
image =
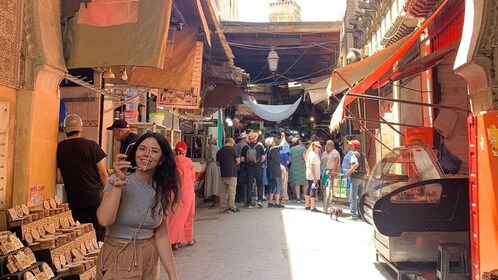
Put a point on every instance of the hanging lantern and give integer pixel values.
(272, 60)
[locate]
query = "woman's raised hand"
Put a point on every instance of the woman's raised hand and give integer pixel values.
(120, 166)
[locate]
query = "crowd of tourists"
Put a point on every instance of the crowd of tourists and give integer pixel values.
(281, 167)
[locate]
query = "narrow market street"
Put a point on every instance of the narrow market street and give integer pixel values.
(270, 243)
(114, 112)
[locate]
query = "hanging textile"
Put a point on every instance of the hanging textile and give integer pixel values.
(179, 68)
(274, 113)
(128, 32)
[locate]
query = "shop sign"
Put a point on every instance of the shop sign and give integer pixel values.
(35, 195)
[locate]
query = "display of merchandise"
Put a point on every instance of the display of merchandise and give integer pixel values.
(64, 248)
(19, 262)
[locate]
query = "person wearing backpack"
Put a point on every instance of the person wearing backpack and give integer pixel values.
(253, 155)
(356, 167)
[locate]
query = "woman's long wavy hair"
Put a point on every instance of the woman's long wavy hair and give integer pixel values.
(166, 179)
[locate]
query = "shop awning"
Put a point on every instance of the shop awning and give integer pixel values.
(318, 92)
(221, 96)
(417, 66)
(345, 76)
(376, 74)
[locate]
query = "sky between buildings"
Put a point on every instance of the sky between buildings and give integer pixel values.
(311, 10)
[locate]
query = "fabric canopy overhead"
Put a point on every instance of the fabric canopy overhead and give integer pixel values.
(320, 91)
(274, 113)
(380, 71)
(176, 71)
(108, 33)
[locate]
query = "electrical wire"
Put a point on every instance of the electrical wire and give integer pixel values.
(297, 79)
(280, 47)
(262, 69)
(290, 67)
(412, 89)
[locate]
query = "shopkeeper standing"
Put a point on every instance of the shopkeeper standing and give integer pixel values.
(82, 166)
(121, 132)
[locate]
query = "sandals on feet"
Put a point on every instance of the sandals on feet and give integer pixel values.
(192, 243)
(174, 246)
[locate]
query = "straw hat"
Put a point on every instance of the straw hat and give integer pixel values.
(253, 136)
(316, 144)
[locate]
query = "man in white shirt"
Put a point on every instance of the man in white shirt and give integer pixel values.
(312, 175)
(331, 162)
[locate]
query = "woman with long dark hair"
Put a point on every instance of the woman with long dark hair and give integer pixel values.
(135, 203)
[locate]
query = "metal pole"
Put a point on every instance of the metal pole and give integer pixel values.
(381, 118)
(379, 98)
(364, 127)
(376, 121)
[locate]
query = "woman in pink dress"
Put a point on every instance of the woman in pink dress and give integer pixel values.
(181, 219)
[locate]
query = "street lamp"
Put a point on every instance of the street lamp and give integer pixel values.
(108, 74)
(272, 60)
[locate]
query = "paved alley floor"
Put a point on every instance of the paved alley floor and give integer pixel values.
(271, 243)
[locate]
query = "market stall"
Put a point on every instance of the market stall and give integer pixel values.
(414, 206)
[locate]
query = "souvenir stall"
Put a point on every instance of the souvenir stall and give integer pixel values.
(43, 241)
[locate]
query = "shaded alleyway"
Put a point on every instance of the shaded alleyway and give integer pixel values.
(269, 243)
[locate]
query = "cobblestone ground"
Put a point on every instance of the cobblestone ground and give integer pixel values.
(271, 243)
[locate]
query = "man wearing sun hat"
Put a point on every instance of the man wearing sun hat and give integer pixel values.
(254, 170)
(82, 165)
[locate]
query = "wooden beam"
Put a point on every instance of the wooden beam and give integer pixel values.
(280, 27)
(279, 41)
